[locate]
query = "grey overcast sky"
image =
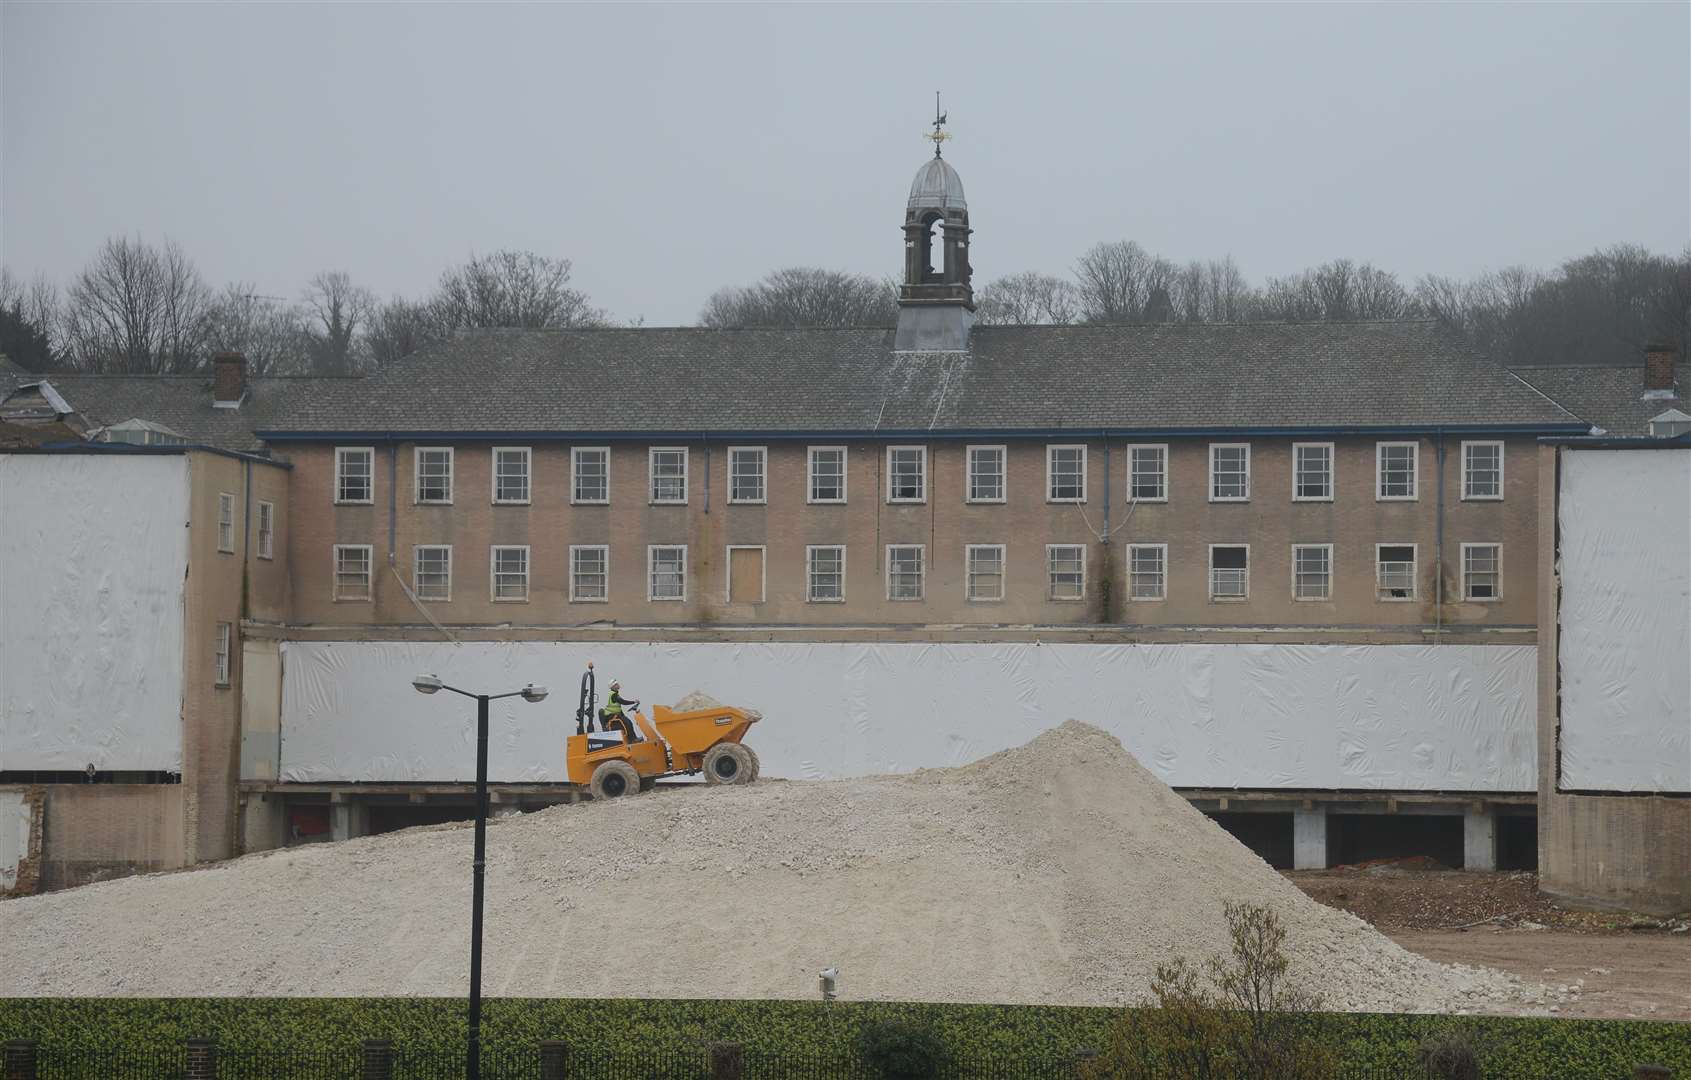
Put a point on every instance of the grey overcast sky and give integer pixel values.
(670, 150)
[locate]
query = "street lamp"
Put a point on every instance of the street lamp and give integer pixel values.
(431, 684)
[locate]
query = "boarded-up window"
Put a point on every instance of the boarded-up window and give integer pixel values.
(745, 575)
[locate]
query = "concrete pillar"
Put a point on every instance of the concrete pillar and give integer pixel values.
(348, 820)
(202, 1059)
(1479, 839)
(1309, 839)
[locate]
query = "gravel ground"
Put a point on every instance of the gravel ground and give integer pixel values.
(1060, 871)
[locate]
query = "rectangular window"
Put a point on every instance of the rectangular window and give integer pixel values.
(1394, 571)
(266, 530)
(1482, 470)
(827, 474)
(431, 574)
(225, 522)
(1396, 465)
(907, 474)
(1312, 472)
(985, 566)
(1065, 572)
(510, 474)
(666, 572)
(1147, 569)
(986, 474)
(746, 468)
(220, 660)
(1230, 472)
(355, 471)
(668, 465)
(434, 474)
(352, 571)
(509, 572)
(904, 571)
(825, 570)
(590, 475)
(1482, 571)
(590, 574)
(1147, 473)
(1065, 474)
(1230, 571)
(1312, 571)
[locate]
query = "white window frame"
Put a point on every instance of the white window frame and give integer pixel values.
(969, 573)
(1162, 574)
(226, 522)
(1246, 497)
(1162, 474)
(417, 453)
(493, 573)
(1214, 599)
(651, 556)
(1003, 453)
(1327, 594)
(920, 498)
(728, 573)
(369, 574)
(417, 572)
(341, 454)
(221, 648)
(266, 530)
(1050, 590)
(605, 562)
(575, 475)
(1414, 575)
(921, 574)
(810, 596)
(1501, 454)
(1380, 471)
(810, 453)
(1332, 470)
(528, 475)
(1497, 592)
(652, 499)
(1050, 474)
(762, 455)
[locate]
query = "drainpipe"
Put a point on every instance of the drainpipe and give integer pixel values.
(1106, 579)
(1438, 551)
(393, 506)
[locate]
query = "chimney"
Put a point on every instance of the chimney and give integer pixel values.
(1658, 370)
(229, 380)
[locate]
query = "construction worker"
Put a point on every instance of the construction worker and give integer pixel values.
(613, 712)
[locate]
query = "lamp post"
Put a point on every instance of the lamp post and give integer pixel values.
(430, 684)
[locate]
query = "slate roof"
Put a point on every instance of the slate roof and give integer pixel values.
(1608, 396)
(182, 403)
(1259, 376)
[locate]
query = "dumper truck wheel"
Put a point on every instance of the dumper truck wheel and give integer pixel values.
(729, 763)
(757, 765)
(614, 779)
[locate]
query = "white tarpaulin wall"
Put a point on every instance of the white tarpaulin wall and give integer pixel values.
(1624, 549)
(93, 551)
(1397, 717)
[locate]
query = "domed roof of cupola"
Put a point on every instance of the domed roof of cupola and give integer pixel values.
(938, 186)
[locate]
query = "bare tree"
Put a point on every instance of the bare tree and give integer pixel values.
(1121, 282)
(137, 309)
(1027, 299)
(803, 296)
(397, 329)
(335, 310)
(512, 289)
(29, 322)
(270, 333)
(1333, 292)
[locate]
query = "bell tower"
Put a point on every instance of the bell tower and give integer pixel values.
(936, 302)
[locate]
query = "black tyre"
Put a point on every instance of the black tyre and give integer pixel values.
(757, 766)
(613, 780)
(729, 763)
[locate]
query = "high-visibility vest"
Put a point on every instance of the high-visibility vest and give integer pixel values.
(613, 704)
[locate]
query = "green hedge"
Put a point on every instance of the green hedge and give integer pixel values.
(1528, 1049)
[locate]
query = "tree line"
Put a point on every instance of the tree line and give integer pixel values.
(144, 309)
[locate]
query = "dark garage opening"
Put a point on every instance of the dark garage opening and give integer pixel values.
(388, 818)
(1354, 838)
(1517, 842)
(1268, 835)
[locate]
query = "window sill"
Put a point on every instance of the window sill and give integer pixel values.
(666, 502)
(590, 600)
(1132, 498)
(1064, 502)
(267, 558)
(352, 600)
(1312, 599)
(1482, 600)
(1482, 498)
(1065, 599)
(220, 686)
(824, 600)
(748, 502)
(225, 551)
(1395, 599)
(904, 599)
(666, 599)
(1312, 498)
(1147, 599)
(984, 599)
(431, 502)
(509, 600)
(355, 502)
(824, 502)
(906, 502)
(1229, 599)
(985, 502)
(1397, 498)
(512, 502)
(1230, 498)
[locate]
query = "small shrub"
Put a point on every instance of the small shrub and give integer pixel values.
(1452, 1053)
(900, 1050)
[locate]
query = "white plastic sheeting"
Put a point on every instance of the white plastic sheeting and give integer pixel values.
(1624, 525)
(1378, 717)
(93, 551)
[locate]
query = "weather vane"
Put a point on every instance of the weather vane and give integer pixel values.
(937, 135)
